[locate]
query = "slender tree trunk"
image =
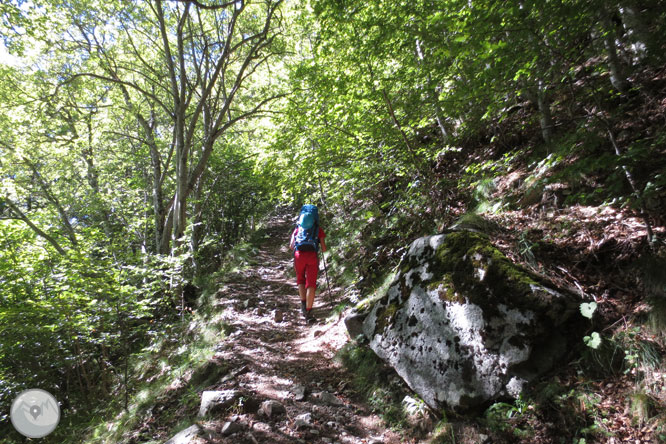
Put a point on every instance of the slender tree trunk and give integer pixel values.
(165, 241)
(197, 228)
(545, 116)
(396, 122)
(617, 77)
(539, 97)
(432, 95)
(635, 29)
(180, 199)
(120, 316)
(92, 176)
(157, 178)
(80, 367)
(79, 380)
(634, 188)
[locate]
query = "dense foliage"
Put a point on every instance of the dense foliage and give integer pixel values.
(141, 140)
(128, 169)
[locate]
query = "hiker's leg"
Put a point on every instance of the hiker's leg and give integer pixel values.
(302, 294)
(300, 266)
(311, 279)
(310, 298)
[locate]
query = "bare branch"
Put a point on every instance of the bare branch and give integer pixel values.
(118, 82)
(54, 200)
(21, 216)
(198, 4)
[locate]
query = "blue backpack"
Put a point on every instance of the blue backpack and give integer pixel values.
(307, 236)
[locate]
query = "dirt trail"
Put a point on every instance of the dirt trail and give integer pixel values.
(274, 355)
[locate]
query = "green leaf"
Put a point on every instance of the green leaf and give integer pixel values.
(593, 341)
(587, 309)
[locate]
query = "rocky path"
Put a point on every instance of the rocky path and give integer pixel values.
(284, 385)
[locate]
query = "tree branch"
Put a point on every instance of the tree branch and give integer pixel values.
(21, 216)
(54, 200)
(200, 5)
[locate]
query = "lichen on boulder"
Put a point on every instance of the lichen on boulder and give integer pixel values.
(463, 325)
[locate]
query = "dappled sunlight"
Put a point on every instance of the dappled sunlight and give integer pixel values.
(280, 355)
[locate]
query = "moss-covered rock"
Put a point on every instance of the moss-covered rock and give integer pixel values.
(464, 325)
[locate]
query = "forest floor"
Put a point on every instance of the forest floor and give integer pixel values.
(275, 356)
(595, 251)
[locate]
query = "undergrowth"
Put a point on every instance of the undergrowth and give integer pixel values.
(587, 400)
(167, 376)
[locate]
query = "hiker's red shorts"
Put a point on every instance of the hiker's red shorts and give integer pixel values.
(306, 264)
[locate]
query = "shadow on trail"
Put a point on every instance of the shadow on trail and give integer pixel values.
(285, 360)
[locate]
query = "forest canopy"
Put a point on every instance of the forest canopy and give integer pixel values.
(141, 140)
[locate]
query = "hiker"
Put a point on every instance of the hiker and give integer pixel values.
(306, 240)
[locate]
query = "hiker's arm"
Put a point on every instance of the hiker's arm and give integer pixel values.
(292, 241)
(322, 242)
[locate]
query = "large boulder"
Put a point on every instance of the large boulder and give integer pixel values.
(463, 325)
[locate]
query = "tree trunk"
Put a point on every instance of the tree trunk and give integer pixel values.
(92, 176)
(433, 96)
(617, 76)
(157, 178)
(197, 228)
(180, 199)
(635, 30)
(545, 116)
(539, 97)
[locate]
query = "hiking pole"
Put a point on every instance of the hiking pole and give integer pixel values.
(323, 204)
(326, 274)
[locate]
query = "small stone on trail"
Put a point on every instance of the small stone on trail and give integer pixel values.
(215, 400)
(229, 428)
(303, 421)
(318, 333)
(278, 316)
(186, 436)
(235, 373)
(271, 408)
(327, 398)
(299, 392)
(261, 427)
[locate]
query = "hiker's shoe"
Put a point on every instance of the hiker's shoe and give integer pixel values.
(310, 317)
(303, 310)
